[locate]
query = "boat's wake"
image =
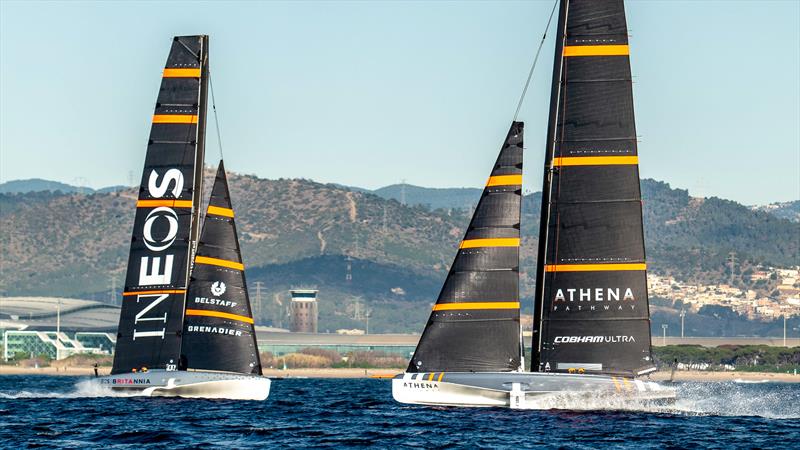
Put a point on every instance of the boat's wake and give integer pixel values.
(83, 389)
(769, 400)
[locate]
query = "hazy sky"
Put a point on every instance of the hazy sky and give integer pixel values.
(368, 94)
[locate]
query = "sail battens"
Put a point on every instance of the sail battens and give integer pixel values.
(175, 118)
(153, 292)
(218, 262)
(504, 180)
(170, 72)
(475, 305)
(490, 242)
(596, 50)
(217, 211)
(594, 160)
(167, 203)
(218, 314)
(593, 267)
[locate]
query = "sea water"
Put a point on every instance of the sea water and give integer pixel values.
(65, 412)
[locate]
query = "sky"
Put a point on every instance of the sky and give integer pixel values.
(372, 93)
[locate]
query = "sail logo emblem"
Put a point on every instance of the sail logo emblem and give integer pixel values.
(594, 295)
(218, 288)
(153, 243)
(593, 339)
(423, 386)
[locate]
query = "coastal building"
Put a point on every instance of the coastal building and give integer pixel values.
(756, 304)
(56, 328)
(55, 345)
(303, 311)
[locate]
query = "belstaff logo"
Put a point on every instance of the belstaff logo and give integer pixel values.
(217, 288)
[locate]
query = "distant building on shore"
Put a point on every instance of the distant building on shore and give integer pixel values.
(303, 311)
(56, 328)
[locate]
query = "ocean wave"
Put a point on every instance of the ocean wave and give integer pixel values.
(768, 400)
(82, 389)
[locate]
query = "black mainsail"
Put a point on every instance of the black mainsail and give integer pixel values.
(591, 307)
(218, 331)
(474, 325)
(165, 227)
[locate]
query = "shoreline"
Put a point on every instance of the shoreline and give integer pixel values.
(694, 376)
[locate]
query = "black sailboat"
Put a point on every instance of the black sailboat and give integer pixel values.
(162, 346)
(591, 332)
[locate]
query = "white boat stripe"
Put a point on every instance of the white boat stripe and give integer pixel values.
(407, 376)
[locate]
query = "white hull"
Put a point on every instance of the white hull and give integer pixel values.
(526, 390)
(193, 384)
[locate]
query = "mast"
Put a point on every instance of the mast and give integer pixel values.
(474, 325)
(200, 155)
(544, 216)
(219, 332)
(592, 284)
(149, 331)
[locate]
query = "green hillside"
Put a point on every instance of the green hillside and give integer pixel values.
(298, 232)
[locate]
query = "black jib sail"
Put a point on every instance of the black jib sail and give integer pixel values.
(591, 301)
(218, 331)
(165, 227)
(474, 326)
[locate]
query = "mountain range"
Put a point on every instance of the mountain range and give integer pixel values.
(301, 233)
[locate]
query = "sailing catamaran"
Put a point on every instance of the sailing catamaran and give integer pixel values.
(591, 332)
(186, 326)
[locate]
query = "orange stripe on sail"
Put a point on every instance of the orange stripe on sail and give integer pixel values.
(492, 242)
(163, 291)
(595, 160)
(593, 267)
(596, 50)
(175, 118)
(170, 203)
(181, 73)
(222, 315)
(475, 305)
(504, 180)
(627, 384)
(217, 211)
(218, 262)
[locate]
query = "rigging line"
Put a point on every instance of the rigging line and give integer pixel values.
(216, 119)
(535, 59)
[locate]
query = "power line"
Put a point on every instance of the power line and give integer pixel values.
(258, 298)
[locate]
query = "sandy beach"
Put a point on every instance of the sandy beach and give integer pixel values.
(697, 376)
